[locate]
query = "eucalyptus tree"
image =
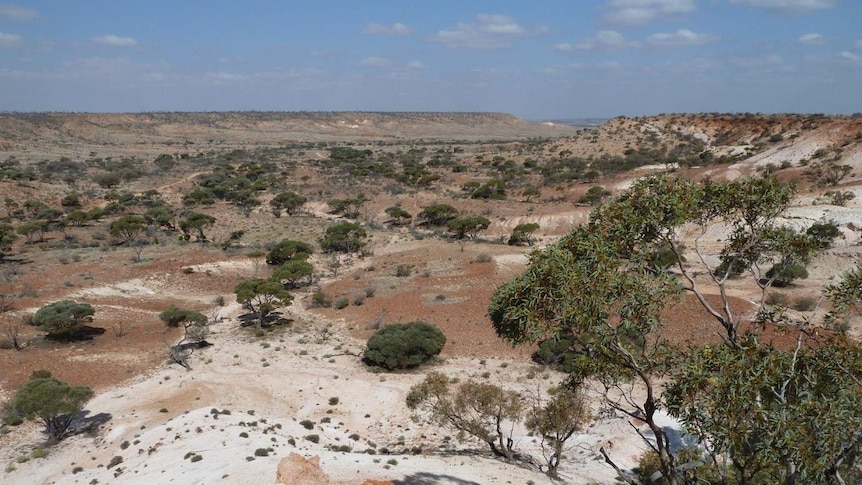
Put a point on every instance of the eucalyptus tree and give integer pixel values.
(599, 291)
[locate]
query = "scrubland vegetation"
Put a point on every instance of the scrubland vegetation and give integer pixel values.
(327, 238)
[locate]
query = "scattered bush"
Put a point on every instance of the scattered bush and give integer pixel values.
(321, 300)
(404, 345)
(307, 424)
(341, 303)
(314, 438)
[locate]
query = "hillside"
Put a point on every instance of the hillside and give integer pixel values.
(66, 178)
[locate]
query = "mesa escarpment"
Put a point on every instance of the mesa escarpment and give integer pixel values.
(148, 133)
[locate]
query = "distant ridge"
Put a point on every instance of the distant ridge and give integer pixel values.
(18, 131)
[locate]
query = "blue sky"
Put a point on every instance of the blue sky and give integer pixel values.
(537, 60)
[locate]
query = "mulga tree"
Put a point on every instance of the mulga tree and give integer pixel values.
(127, 228)
(599, 290)
(7, 237)
(63, 319)
(196, 221)
(288, 202)
(438, 214)
(51, 402)
(344, 237)
(262, 297)
(469, 226)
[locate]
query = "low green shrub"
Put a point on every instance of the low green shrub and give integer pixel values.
(404, 345)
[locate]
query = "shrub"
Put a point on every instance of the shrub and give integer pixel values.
(404, 270)
(404, 345)
(314, 438)
(341, 302)
(804, 304)
(785, 275)
(307, 424)
(115, 461)
(824, 232)
(321, 299)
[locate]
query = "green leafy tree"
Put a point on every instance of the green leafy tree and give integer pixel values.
(161, 216)
(51, 402)
(77, 217)
(196, 221)
(398, 216)
(128, 228)
(594, 195)
(438, 214)
(484, 411)
(523, 234)
(348, 207)
(492, 190)
(468, 226)
(63, 319)
(262, 297)
(404, 345)
(33, 230)
(599, 289)
(7, 237)
(825, 232)
(289, 202)
(174, 316)
(288, 250)
(344, 237)
(292, 272)
(555, 420)
(531, 193)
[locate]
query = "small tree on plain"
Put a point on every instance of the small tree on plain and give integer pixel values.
(555, 420)
(196, 221)
(289, 202)
(128, 228)
(288, 250)
(262, 297)
(398, 216)
(344, 237)
(63, 319)
(468, 226)
(291, 273)
(523, 234)
(481, 410)
(51, 402)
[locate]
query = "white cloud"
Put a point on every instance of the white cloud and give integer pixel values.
(859, 44)
(415, 65)
(605, 40)
(375, 62)
(639, 12)
(788, 6)
(221, 78)
(810, 39)
(680, 38)
(394, 29)
(490, 31)
(115, 41)
(10, 40)
(15, 12)
(851, 56)
(564, 47)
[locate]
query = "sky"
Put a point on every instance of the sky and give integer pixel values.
(543, 59)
